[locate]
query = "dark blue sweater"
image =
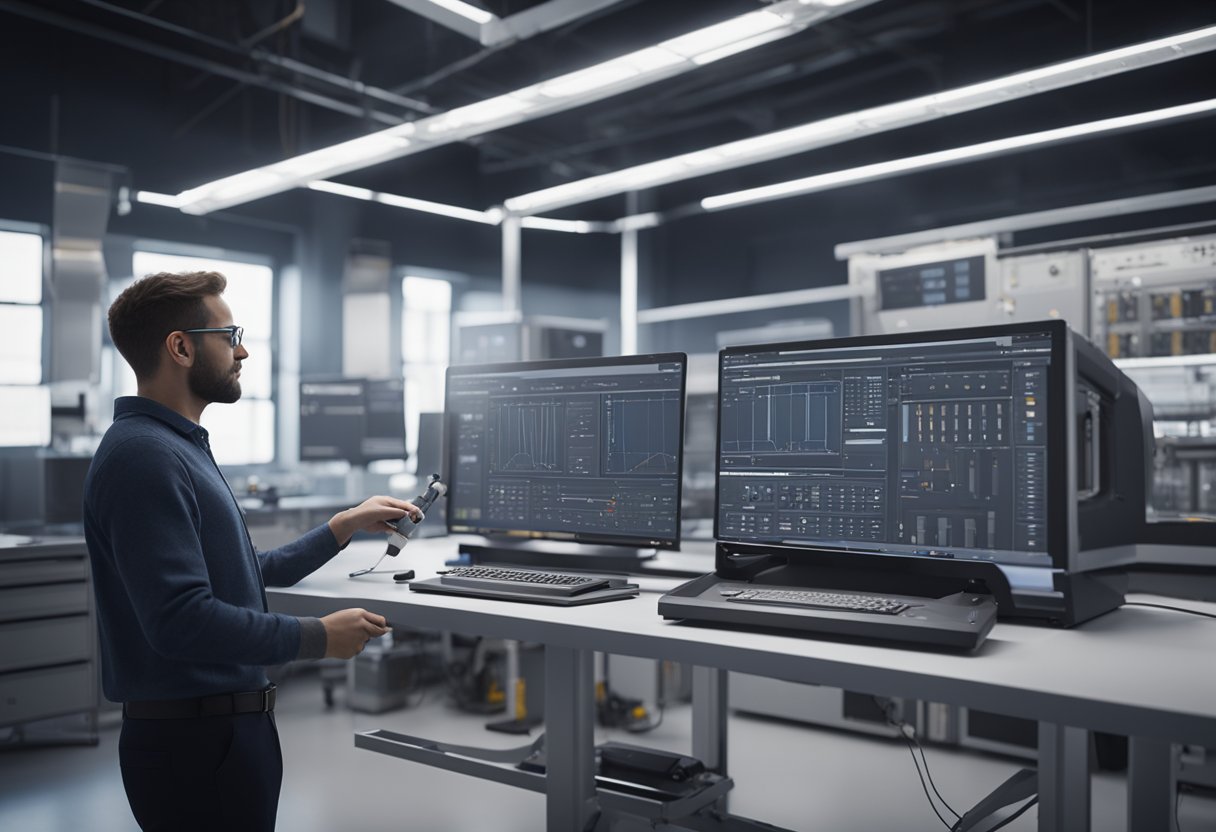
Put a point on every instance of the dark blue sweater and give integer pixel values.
(181, 603)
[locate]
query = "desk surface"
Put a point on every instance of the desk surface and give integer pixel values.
(1135, 671)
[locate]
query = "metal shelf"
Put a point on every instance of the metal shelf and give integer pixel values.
(708, 789)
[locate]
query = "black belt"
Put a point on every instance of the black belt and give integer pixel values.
(223, 704)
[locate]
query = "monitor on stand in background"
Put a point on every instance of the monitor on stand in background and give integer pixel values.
(384, 420)
(352, 419)
(331, 420)
(546, 454)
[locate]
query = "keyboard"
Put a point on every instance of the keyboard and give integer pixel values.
(528, 581)
(817, 600)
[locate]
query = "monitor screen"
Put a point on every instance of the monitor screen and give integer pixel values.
(932, 284)
(352, 419)
(384, 421)
(583, 449)
(941, 444)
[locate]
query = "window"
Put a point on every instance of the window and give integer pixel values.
(241, 433)
(25, 408)
(426, 316)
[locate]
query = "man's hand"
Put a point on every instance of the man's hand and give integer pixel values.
(346, 631)
(370, 516)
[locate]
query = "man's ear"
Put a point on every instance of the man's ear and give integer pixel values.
(181, 350)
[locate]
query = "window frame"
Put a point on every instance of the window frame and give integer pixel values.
(268, 346)
(43, 340)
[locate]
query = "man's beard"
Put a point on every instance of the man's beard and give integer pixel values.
(211, 384)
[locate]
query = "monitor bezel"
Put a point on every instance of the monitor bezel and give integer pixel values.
(516, 535)
(1059, 474)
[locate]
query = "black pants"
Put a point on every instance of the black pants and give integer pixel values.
(209, 773)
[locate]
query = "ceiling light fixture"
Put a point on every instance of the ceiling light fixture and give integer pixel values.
(569, 226)
(867, 122)
(153, 198)
(491, 217)
(627, 72)
(465, 10)
(953, 156)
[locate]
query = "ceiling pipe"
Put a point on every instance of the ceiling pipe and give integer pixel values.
(263, 56)
(214, 67)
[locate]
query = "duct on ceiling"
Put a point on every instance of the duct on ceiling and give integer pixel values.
(82, 203)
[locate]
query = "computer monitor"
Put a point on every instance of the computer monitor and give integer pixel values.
(1016, 445)
(352, 419)
(586, 450)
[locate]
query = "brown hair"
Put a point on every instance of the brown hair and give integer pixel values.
(152, 307)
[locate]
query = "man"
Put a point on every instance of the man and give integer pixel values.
(181, 604)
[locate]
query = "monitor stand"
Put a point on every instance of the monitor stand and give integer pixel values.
(550, 554)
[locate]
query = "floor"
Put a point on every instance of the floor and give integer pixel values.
(786, 774)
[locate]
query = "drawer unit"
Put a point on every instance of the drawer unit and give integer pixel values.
(41, 694)
(43, 601)
(47, 641)
(48, 637)
(49, 571)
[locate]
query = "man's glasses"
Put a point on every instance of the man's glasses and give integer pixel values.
(235, 333)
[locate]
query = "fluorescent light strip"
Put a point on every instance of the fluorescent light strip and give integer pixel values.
(953, 156)
(465, 10)
(867, 122)
(453, 211)
(637, 222)
(491, 217)
(627, 72)
(1164, 361)
(153, 198)
(569, 226)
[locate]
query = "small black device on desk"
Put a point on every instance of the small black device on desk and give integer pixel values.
(528, 585)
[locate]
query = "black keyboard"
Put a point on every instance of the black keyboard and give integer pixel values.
(522, 580)
(817, 600)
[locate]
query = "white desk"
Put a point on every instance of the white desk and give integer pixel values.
(1144, 673)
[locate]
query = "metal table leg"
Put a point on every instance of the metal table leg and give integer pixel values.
(709, 704)
(1063, 778)
(569, 739)
(710, 694)
(1152, 784)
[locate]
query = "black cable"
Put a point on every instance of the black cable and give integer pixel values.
(928, 774)
(888, 709)
(1177, 809)
(1167, 607)
(932, 805)
(1015, 815)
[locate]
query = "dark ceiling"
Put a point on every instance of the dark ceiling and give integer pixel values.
(179, 92)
